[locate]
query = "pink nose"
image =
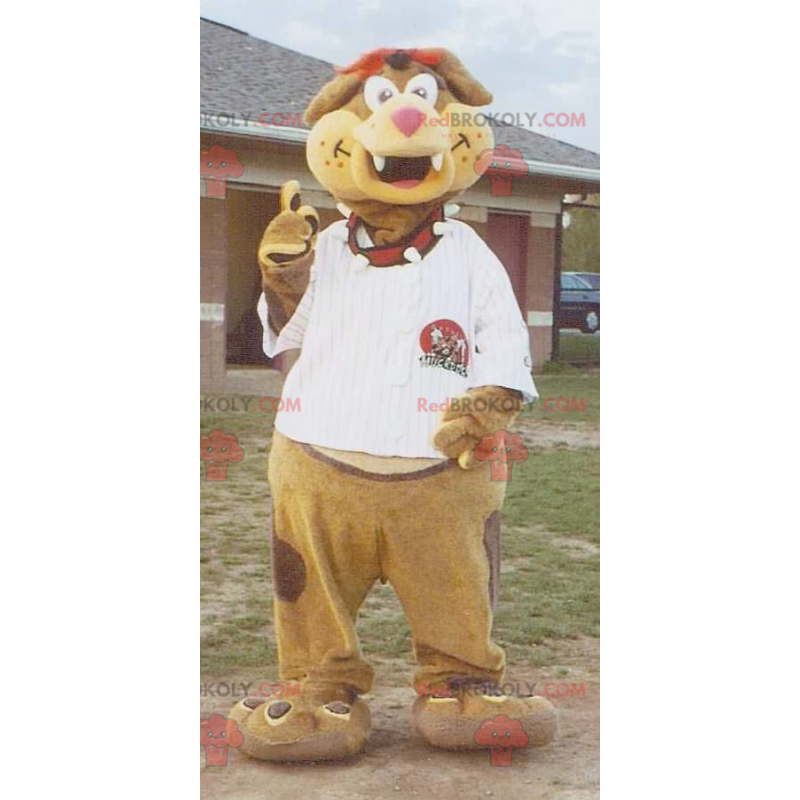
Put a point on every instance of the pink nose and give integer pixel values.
(407, 119)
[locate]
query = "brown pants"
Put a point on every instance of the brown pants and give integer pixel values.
(433, 534)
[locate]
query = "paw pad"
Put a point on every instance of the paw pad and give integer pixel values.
(279, 709)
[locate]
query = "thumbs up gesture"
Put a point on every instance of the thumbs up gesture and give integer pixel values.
(292, 234)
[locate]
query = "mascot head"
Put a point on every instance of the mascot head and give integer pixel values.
(398, 128)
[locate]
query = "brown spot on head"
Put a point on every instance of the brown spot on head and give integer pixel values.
(398, 60)
(252, 702)
(338, 708)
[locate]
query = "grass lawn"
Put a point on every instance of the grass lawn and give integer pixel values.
(549, 589)
(569, 398)
(579, 348)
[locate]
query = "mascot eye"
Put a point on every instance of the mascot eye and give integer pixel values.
(208, 735)
(423, 86)
(494, 449)
(223, 164)
(508, 735)
(223, 449)
(377, 90)
(508, 450)
(494, 735)
(209, 450)
(222, 735)
(209, 165)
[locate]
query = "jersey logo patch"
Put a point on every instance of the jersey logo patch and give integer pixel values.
(444, 345)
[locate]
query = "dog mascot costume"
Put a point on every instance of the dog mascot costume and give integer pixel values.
(395, 304)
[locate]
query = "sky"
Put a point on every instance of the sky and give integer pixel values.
(535, 56)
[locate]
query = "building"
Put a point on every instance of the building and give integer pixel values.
(252, 96)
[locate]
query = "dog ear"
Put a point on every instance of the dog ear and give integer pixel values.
(333, 95)
(465, 88)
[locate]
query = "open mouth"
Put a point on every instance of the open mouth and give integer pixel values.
(405, 173)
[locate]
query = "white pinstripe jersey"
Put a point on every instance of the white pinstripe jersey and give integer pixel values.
(379, 345)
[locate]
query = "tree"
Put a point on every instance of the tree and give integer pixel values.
(580, 242)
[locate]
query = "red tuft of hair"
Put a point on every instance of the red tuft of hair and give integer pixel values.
(372, 62)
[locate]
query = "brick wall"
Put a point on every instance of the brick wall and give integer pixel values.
(213, 290)
(539, 290)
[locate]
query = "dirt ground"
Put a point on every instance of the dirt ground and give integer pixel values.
(538, 433)
(398, 764)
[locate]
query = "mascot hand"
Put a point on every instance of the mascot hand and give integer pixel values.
(292, 234)
(471, 416)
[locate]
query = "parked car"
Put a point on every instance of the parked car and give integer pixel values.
(580, 304)
(592, 278)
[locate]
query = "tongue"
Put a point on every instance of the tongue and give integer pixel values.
(406, 184)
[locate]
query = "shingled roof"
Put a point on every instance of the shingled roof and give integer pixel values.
(240, 74)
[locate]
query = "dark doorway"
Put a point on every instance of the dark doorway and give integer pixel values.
(248, 215)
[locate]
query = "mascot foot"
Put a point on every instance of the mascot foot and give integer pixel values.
(311, 726)
(451, 722)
